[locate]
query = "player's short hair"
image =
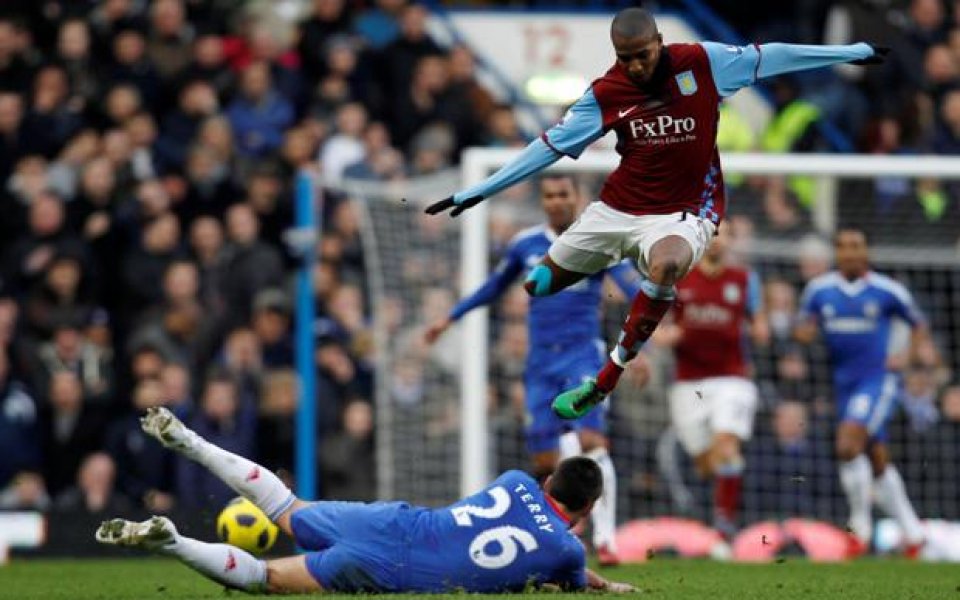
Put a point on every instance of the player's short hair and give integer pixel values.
(632, 23)
(850, 228)
(577, 482)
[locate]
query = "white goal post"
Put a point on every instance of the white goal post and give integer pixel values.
(477, 163)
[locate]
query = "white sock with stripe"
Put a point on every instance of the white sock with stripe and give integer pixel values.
(247, 478)
(891, 496)
(222, 563)
(856, 477)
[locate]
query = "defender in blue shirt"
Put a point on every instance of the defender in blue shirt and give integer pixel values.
(565, 348)
(855, 310)
(510, 535)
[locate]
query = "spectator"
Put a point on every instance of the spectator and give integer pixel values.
(12, 145)
(15, 73)
(381, 161)
(75, 51)
(243, 361)
(380, 25)
(95, 490)
(51, 120)
(197, 102)
(19, 427)
(344, 147)
(271, 323)
(207, 252)
(225, 420)
(61, 297)
(251, 265)
(276, 428)
(259, 114)
(209, 189)
(169, 47)
(68, 350)
(176, 382)
(72, 430)
(346, 457)
(25, 492)
(146, 469)
(270, 201)
(327, 19)
(131, 65)
(143, 267)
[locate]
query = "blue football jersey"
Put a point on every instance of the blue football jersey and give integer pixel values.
(503, 538)
(856, 319)
(570, 317)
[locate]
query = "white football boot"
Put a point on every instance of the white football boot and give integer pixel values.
(167, 429)
(153, 534)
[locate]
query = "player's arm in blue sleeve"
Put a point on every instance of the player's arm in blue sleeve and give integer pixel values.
(581, 125)
(922, 348)
(506, 272)
(736, 67)
(805, 328)
(627, 278)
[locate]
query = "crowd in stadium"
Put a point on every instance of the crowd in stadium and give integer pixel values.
(146, 158)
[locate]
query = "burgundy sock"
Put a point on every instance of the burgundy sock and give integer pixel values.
(726, 498)
(609, 376)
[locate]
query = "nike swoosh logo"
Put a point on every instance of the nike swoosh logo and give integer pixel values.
(621, 114)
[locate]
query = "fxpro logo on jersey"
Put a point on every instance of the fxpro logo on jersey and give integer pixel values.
(663, 130)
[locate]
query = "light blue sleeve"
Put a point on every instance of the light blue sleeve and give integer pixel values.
(754, 294)
(736, 67)
(580, 126)
(535, 157)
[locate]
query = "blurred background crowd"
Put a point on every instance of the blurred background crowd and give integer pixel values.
(146, 158)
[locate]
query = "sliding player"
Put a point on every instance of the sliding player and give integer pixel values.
(565, 348)
(854, 308)
(511, 535)
(662, 204)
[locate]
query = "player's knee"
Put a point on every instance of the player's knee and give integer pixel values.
(539, 281)
(666, 270)
(848, 449)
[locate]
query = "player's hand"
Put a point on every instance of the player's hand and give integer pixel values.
(879, 56)
(617, 587)
(436, 330)
(439, 207)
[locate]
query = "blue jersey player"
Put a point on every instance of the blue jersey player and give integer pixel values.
(855, 309)
(565, 349)
(511, 535)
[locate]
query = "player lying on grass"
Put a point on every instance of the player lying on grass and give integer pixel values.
(663, 202)
(508, 537)
(565, 347)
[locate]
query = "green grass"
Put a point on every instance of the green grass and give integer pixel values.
(662, 578)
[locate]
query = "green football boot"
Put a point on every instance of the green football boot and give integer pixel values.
(573, 404)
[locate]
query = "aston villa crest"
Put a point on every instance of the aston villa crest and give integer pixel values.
(687, 83)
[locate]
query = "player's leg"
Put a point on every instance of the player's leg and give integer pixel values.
(222, 563)
(732, 404)
(244, 476)
(290, 575)
(592, 243)
(595, 445)
(856, 478)
(667, 246)
(890, 495)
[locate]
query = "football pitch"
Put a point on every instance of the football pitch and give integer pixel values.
(149, 579)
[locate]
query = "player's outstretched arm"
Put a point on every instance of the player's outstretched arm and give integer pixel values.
(581, 126)
(735, 67)
(498, 282)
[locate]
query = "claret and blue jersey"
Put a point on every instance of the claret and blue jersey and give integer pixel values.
(855, 318)
(564, 329)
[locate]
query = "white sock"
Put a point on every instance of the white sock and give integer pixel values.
(247, 478)
(222, 563)
(604, 515)
(891, 496)
(857, 481)
(570, 445)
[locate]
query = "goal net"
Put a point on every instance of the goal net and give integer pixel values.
(451, 415)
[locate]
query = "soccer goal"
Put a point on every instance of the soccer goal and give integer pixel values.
(451, 414)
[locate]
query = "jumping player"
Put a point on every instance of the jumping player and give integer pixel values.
(854, 309)
(713, 400)
(663, 202)
(511, 535)
(564, 348)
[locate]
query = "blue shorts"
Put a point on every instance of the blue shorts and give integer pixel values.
(549, 372)
(869, 402)
(354, 546)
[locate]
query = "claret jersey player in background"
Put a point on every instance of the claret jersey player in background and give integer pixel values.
(662, 204)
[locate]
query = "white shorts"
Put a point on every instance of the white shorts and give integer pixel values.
(603, 236)
(704, 408)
